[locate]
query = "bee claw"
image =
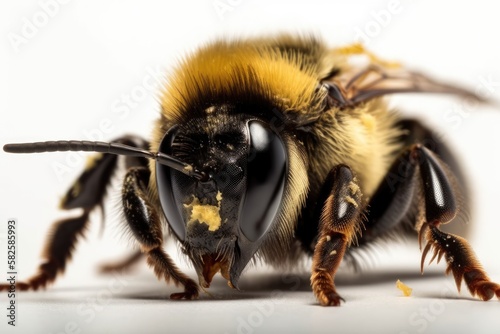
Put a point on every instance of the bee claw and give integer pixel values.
(486, 290)
(333, 299)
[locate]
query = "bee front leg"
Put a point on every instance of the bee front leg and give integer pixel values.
(145, 224)
(339, 225)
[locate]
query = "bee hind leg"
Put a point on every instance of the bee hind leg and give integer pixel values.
(146, 226)
(420, 180)
(86, 193)
(339, 225)
(441, 206)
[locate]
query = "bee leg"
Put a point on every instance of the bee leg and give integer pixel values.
(461, 261)
(418, 133)
(425, 181)
(394, 205)
(339, 224)
(86, 193)
(440, 208)
(145, 224)
(57, 251)
(123, 265)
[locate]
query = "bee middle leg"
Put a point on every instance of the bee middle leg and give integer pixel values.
(146, 226)
(420, 181)
(339, 225)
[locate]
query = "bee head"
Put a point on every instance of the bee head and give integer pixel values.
(222, 219)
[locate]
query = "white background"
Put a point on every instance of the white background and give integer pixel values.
(68, 77)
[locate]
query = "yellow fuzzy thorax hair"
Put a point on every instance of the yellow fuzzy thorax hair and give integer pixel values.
(229, 69)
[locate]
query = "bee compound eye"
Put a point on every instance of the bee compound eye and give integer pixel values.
(265, 181)
(169, 191)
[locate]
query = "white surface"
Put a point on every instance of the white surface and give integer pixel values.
(271, 303)
(70, 81)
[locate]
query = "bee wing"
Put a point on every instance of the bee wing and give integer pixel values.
(356, 86)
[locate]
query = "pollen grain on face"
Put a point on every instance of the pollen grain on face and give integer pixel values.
(205, 213)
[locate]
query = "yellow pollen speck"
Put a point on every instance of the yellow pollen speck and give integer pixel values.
(333, 252)
(188, 168)
(328, 238)
(205, 213)
(353, 187)
(351, 200)
(406, 289)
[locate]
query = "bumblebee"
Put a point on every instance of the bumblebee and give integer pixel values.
(274, 148)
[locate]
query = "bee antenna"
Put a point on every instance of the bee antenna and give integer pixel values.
(102, 147)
